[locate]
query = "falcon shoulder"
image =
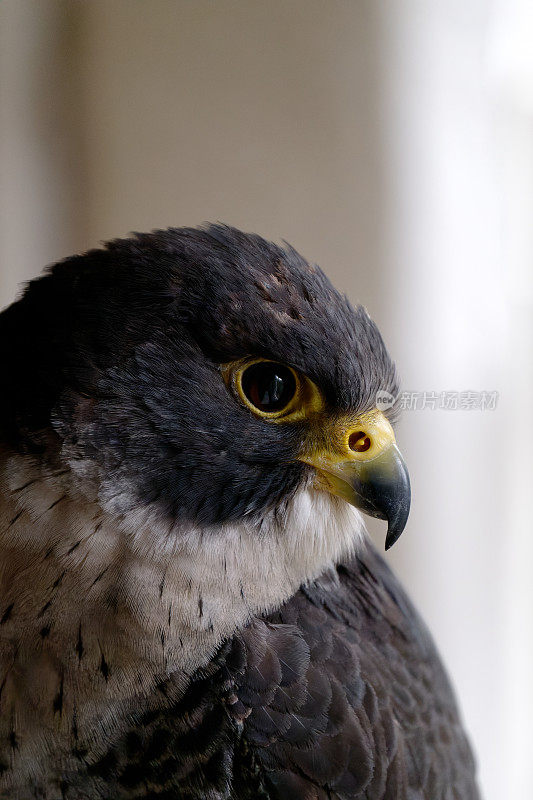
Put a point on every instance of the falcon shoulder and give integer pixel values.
(344, 696)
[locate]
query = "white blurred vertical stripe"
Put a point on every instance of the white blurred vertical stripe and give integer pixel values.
(510, 61)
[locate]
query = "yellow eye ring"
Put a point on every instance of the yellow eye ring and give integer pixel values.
(271, 390)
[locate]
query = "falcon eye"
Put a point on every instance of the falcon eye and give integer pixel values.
(268, 386)
(272, 391)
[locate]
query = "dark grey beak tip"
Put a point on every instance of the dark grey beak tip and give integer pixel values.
(397, 503)
(393, 534)
(398, 519)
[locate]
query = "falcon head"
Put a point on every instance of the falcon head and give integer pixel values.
(203, 376)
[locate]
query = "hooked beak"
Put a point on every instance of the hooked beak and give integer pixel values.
(361, 463)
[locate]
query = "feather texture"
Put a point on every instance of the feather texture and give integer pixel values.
(339, 695)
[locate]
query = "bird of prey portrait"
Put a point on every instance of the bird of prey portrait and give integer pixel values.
(190, 606)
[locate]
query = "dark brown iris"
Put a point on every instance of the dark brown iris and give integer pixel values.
(268, 386)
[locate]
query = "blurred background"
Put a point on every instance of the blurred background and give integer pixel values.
(391, 141)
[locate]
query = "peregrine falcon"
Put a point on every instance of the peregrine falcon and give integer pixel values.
(189, 604)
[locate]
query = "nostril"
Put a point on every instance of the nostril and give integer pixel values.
(359, 442)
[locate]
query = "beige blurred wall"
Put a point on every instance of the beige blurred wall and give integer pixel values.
(366, 134)
(42, 203)
(252, 113)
